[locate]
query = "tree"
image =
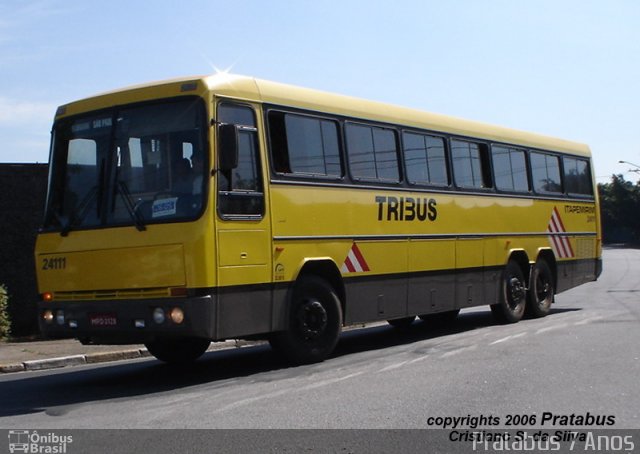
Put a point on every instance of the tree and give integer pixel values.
(5, 322)
(620, 210)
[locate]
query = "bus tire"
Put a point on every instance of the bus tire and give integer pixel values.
(178, 351)
(512, 296)
(401, 323)
(314, 322)
(441, 318)
(541, 290)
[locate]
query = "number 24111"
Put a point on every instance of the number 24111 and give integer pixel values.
(55, 263)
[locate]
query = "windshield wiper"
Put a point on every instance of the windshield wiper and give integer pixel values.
(83, 210)
(77, 217)
(63, 222)
(137, 218)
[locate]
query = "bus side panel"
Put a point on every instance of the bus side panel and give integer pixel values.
(243, 310)
(378, 296)
(586, 268)
(375, 298)
(572, 273)
(495, 256)
(584, 265)
(469, 272)
(431, 282)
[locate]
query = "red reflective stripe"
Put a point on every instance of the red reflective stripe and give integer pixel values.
(567, 244)
(559, 219)
(560, 243)
(557, 245)
(360, 257)
(349, 265)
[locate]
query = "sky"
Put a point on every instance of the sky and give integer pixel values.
(564, 68)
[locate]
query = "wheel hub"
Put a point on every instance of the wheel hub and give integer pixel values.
(516, 291)
(543, 289)
(312, 319)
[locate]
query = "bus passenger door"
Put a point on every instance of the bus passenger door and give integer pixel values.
(243, 232)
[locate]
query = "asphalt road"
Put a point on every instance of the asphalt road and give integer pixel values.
(583, 359)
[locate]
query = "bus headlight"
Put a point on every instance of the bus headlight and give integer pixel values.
(60, 317)
(158, 315)
(47, 316)
(176, 315)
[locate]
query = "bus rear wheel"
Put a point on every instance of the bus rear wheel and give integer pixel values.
(512, 295)
(178, 351)
(314, 322)
(541, 290)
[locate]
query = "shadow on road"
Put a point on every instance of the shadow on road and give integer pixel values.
(58, 392)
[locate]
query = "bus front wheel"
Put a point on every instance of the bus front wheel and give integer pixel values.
(314, 322)
(178, 351)
(512, 297)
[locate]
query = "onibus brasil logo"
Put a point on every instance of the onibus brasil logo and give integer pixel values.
(32, 442)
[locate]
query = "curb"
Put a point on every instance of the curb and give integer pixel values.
(103, 357)
(73, 360)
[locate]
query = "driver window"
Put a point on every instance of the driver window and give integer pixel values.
(240, 190)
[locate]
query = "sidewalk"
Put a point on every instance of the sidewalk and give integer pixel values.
(50, 354)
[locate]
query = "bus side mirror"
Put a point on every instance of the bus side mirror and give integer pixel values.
(227, 146)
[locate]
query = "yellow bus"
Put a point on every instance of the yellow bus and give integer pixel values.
(224, 207)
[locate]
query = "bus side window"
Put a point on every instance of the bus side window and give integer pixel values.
(425, 158)
(470, 165)
(510, 169)
(278, 143)
(304, 145)
(373, 153)
(545, 170)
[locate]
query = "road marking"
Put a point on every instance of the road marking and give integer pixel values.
(331, 381)
(589, 320)
(504, 339)
(420, 358)
(250, 400)
(459, 350)
(400, 364)
(393, 366)
(282, 392)
(551, 328)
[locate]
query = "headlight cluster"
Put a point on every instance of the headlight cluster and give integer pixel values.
(175, 314)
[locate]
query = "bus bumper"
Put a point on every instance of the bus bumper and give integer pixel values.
(598, 267)
(128, 321)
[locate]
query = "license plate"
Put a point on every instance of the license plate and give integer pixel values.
(103, 320)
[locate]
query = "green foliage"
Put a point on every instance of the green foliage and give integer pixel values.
(620, 209)
(5, 322)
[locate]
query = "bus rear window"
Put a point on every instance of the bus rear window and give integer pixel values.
(577, 176)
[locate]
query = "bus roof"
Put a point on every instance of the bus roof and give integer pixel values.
(262, 91)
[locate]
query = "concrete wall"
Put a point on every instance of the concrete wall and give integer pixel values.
(22, 198)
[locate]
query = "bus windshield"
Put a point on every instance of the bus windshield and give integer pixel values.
(128, 166)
